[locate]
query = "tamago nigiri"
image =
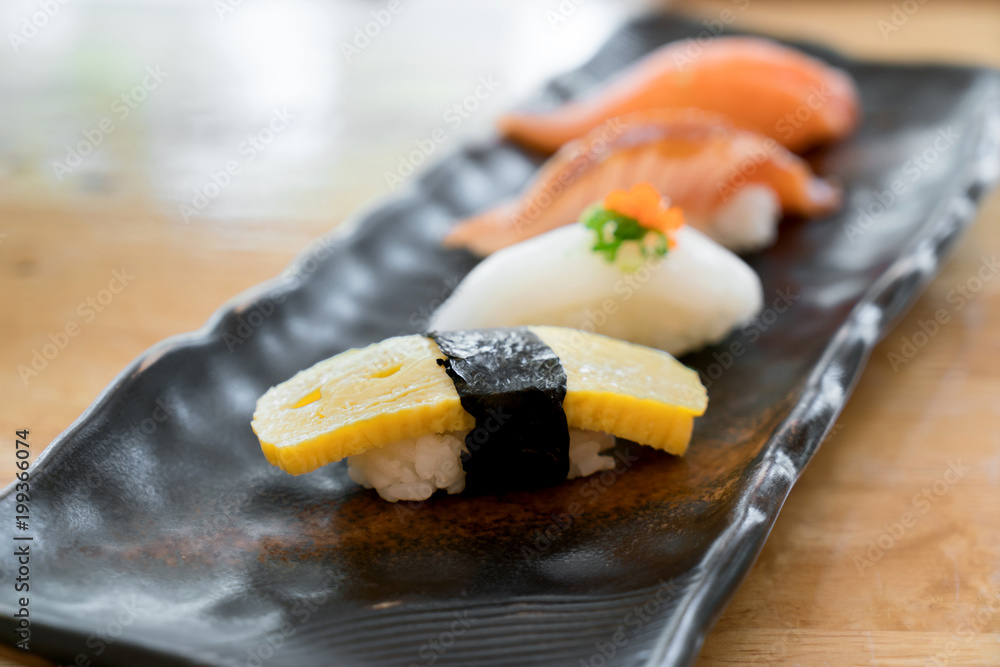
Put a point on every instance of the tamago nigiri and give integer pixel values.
(631, 270)
(734, 185)
(761, 85)
(490, 410)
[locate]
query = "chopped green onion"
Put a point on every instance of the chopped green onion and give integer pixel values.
(613, 229)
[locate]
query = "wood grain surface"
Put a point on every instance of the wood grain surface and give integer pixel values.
(888, 549)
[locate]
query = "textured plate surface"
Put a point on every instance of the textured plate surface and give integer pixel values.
(162, 535)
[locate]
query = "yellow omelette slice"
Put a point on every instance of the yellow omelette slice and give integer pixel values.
(395, 390)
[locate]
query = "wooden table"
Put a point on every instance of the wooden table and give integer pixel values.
(823, 591)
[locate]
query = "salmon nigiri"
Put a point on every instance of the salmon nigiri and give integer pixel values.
(733, 184)
(761, 85)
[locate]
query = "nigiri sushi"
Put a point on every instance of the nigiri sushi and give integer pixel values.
(761, 85)
(733, 185)
(492, 410)
(631, 270)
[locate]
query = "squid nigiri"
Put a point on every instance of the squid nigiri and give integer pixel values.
(733, 184)
(761, 85)
(630, 270)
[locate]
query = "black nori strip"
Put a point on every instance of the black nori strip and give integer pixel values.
(514, 385)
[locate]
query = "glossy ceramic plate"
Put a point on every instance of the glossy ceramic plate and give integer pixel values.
(162, 536)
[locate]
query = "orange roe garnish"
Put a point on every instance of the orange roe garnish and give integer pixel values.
(644, 204)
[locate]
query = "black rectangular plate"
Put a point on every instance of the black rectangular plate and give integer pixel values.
(162, 536)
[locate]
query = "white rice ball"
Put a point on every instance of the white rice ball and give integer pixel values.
(415, 468)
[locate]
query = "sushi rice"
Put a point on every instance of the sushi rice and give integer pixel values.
(748, 221)
(413, 469)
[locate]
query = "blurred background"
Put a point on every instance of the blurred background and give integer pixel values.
(195, 146)
(358, 81)
(84, 123)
